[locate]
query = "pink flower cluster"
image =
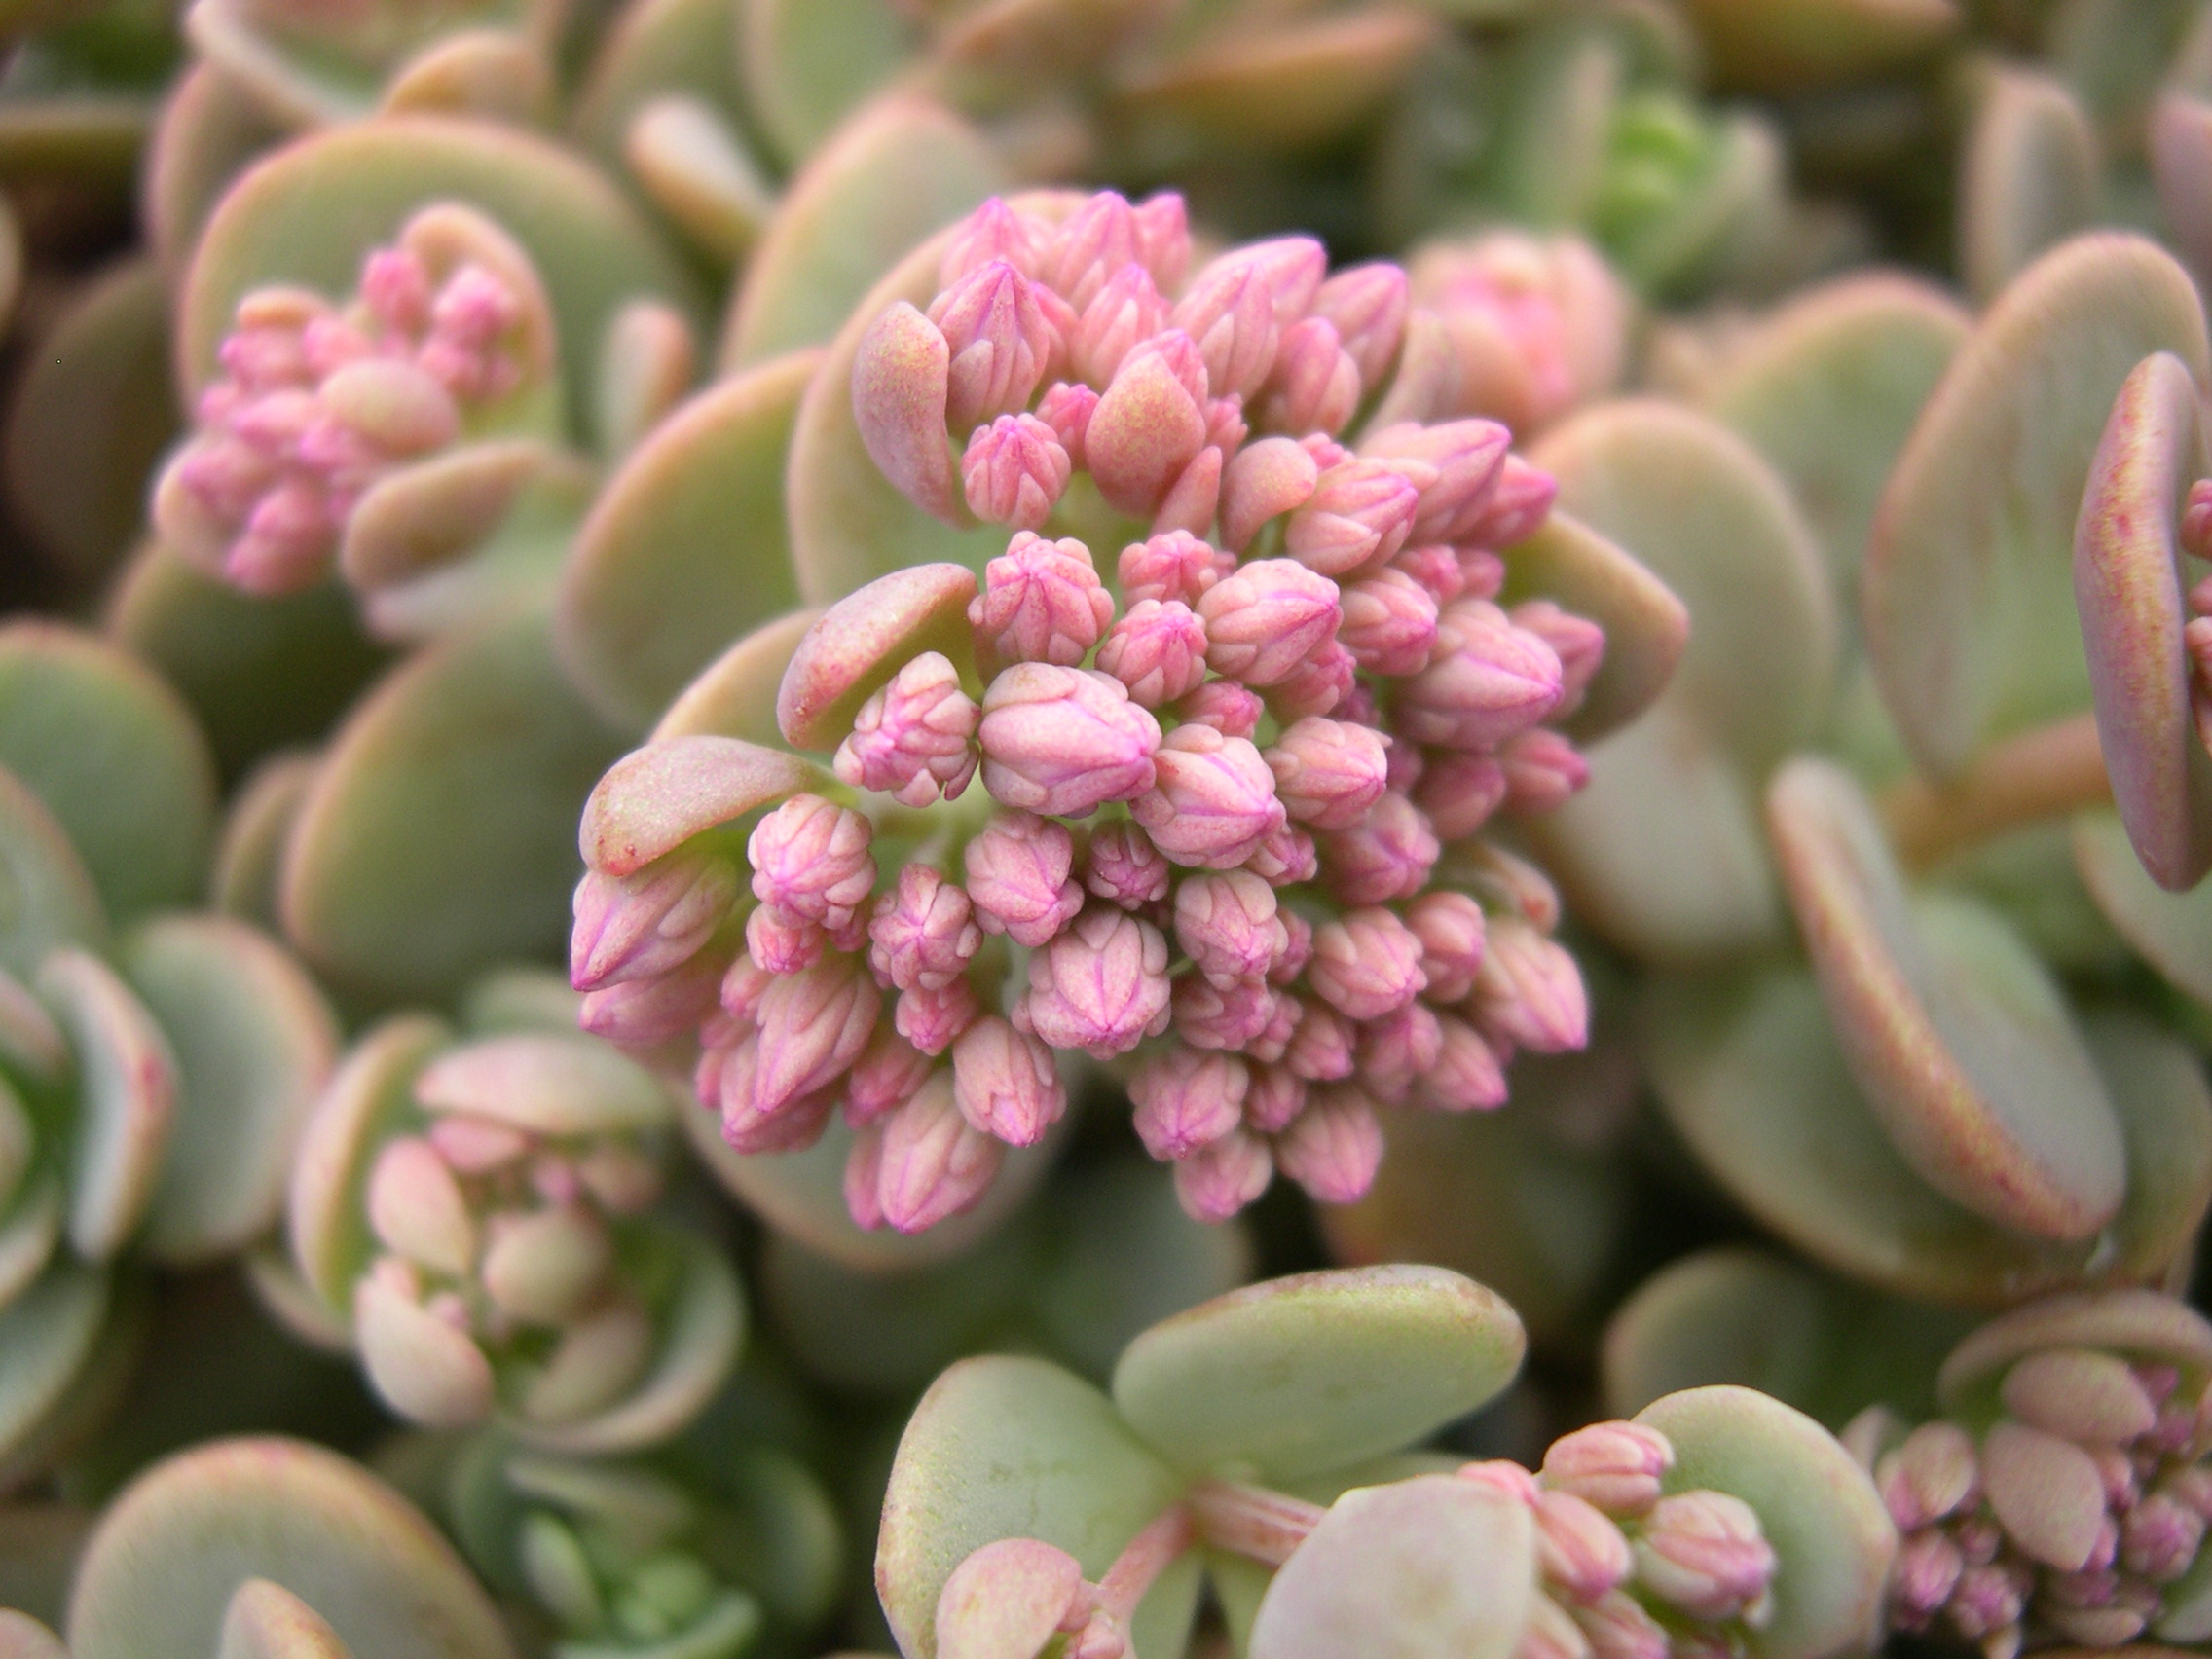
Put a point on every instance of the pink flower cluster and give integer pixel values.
(317, 402)
(1234, 784)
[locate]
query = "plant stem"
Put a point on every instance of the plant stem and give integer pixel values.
(1252, 1521)
(2050, 772)
(1144, 1559)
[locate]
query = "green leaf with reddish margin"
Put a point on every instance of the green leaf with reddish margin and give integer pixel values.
(1833, 1540)
(2129, 577)
(47, 895)
(686, 548)
(652, 50)
(116, 756)
(309, 213)
(125, 1096)
(2171, 931)
(1304, 1374)
(439, 834)
(805, 64)
(1662, 854)
(2032, 176)
(159, 1571)
(735, 695)
(208, 130)
(1968, 598)
(1006, 1448)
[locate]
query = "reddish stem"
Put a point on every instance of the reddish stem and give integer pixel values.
(2050, 772)
(1142, 1559)
(1252, 1521)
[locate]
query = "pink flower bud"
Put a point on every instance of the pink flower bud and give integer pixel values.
(914, 738)
(922, 933)
(1578, 1549)
(1367, 304)
(1357, 516)
(1000, 339)
(1314, 385)
(1320, 1046)
(1403, 767)
(932, 1019)
(1149, 425)
(287, 541)
(1187, 1098)
(750, 1124)
(1225, 429)
(1296, 949)
(863, 1172)
(1272, 1041)
(1005, 1083)
(1460, 791)
(1388, 855)
(1276, 1096)
(1292, 267)
(811, 861)
(1542, 771)
(1230, 311)
(1578, 644)
(1436, 569)
(644, 924)
(780, 943)
(1516, 508)
(1223, 1017)
(1466, 1076)
(1366, 963)
(1125, 310)
(2159, 1538)
(1932, 1475)
(1164, 237)
(1174, 567)
(1061, 741)
(1227, 925)
(1987, 1599)
(1067, 410)
(1041, 602)
(1285, 856)
(1529, 992)
(1454, 466)
(1504, 1475)
(638, 1014)
(1224, 705)
(1101, 987)
(1321, 685)
(1611, 1465)
(1389, 624)
(743, 986)
(813, 1026)
(1219, 1179)
(1014, 471)
(1213, 799)
(1398, 1050)
(1122, 866)
(1017, 877)
(1328, 773)
(1482, 573)
(1157, 650)
(889, 1073)
(1617, 1626)
(931, 1163)
(1334, 1147)
(993, 232)
(1267, 619)
(1704, 1551)
(1487, 681)
(2081, 1395)
(1093, 243)
(1263, 481)
(1927, 1571)
(1451, 929)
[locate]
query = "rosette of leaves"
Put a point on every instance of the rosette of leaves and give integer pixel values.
(158, 1064)
(477, 1212)
(1258, 1442)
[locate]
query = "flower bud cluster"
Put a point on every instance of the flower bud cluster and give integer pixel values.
(1226, 836)
(510, 1238)
(2070, 1521)
(2196, 537)
(316, 402)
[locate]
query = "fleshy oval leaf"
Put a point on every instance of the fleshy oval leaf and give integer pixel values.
(2171, 931)
(266, 1621)
(657, 797)
(735, 695)
(50, 1336)
(545, 1083)
(126, 1099)
(2031, 176)
(1647, 627)
(2145, 1326)
(47, 895)
(863, 640)
(805, 64)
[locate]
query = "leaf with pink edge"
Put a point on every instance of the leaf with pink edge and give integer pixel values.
(655, 799)
(685, 547)
(852, 651)
(1647, 627)
(60, 1343)
(546, 1083)
(2181, 164)
(23, 1636)
(2032, 176)
(2147, 1327)
(1003, 1448)
(896, 172)
(2129, 577)
(266, 1621)
(428, 514)
(208, 130)
(1662, 852)
(806, 63)
(1967, 592)
(160, 1572)
(252, 848)
(735, 695)
(126, 1089)
(491, 74)
(2170, 930)
(682, 48)
(47, 895)
(1833, 1540)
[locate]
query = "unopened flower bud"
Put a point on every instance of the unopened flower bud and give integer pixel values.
(922, 932)
(1174, 566)
(1231, 1016)
(638, 1014)
(1459, 791)
(1220, 1178)
(1367, 304)
(1452, 931)
(1579, 1548)
(1266, 619)
(1334, 1147)
(1263, 481)
(1094, 241)
(1164, 238)
(1226, 924)
(1230, 311)
(1231, 708)
(913, 739)
(1004, 1081)
(1101, 987)
(1358, 516)
(1543, 770)
(1704, 1553)
(1321, 1045)
(993, 232)
(1366, 963)
(1019, 877)
(642, 925)
(1067, 410)
(1389, 623)
(1398, 1050)
(2159, 1538)
(813, 1026)
(1194, 497)
(1619, 1628)
(1315, 384)
(931, 1163)
(1122, 866)
(1931, 1475)
(1436, 569)
(780, 943)
(1061, 741)
(1149, 425)
(1125, 310)
(1454, 466)
(1529, 992)
(1927, 1571)
(1487, 681)
(1014, 471)
(1516, 508)
(743, 986)
(1988, 1599)
(889, 1073)
(1187, 1098)
(1041, 602)
(932, 1019)
(1276, 1096)
(1296, 949)
(1466, 1076)
(1614, 1465)
(1213, 799)
(1321, 685)
(1157, 650)
(1578, 643)
(1550, 1632)
(1285, 856)
(1225, 428)
(1503, 1475)
(1386, 855)
(1002, 344)
(811, 861)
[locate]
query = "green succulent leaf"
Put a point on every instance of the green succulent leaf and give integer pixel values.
(735, 695)
(1832, 1538)
(685, 547)
(159, 1574)
(49, 1338)
(665, 47)
(251, 847)
(1301, 1375)
(47, 895)
(1003, 1448)
(805, 64)
(1647, 627)
(2144, 1325)
(125, 1093)
(209, 129)
(1969, 600)
(860, 641)
(1661, 852)
(2032, 176)
(266, 1621)
(2171, 931)
(2181, 161)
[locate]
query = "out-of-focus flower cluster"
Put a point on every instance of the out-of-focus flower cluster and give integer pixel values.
(1231, 815)
(2195, 534)
(316, 403)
